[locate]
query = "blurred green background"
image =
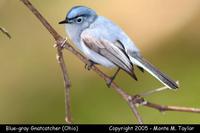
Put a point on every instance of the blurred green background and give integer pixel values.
(31, 85)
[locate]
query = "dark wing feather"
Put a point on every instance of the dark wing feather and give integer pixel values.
(141, 69)
(110, 51)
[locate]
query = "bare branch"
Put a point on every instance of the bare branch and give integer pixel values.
(137, 99)
(45, 23)
(59, 42)
(67, 83)
(163, 108)
(5, 32)
(131, 100)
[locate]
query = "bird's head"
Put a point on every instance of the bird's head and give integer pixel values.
(80, 16)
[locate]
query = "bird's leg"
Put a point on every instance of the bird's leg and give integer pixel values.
(89, 65)
(113, 77)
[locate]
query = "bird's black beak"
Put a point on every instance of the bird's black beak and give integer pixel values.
(63, 22)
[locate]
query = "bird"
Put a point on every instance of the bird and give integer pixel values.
(106, 44)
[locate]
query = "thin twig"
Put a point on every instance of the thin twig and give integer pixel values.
(59, 42)
(131, 100)
(137, 99)
(5, 32)
(163, 108)
(67, 84)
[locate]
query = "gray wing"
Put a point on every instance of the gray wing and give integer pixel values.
(104, 28)
(110, 50)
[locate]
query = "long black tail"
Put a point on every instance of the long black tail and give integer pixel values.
(141, 62)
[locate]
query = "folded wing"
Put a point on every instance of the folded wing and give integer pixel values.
(112, 51)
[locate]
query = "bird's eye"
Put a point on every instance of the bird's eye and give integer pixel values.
(79, 20)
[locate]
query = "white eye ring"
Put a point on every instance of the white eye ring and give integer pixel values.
(79, 20)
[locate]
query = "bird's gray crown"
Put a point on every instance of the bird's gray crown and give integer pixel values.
(80, 11)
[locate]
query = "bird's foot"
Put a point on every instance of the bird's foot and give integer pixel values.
(89, 65)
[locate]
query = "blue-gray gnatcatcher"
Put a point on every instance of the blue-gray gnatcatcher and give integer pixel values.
(104, 43)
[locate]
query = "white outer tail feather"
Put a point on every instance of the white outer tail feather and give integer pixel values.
(136, 62)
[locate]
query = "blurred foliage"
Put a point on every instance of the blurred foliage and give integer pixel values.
(31, 85)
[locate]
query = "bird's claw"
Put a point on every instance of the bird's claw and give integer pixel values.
(89, 65)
